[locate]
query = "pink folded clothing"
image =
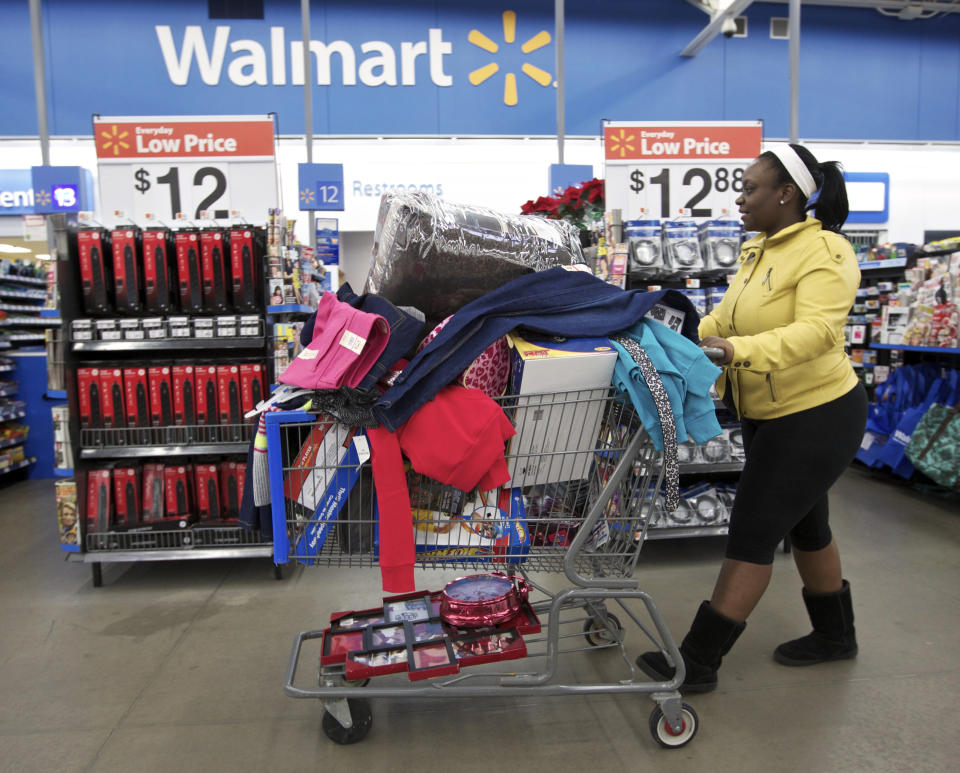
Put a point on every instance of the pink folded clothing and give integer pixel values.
(346, 344)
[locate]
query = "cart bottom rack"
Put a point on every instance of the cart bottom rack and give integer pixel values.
(585, 481)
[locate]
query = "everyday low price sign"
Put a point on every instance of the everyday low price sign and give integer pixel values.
(656, 170)
(163, 166)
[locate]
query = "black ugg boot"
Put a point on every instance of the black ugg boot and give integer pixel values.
(833, 636)
(710, 637)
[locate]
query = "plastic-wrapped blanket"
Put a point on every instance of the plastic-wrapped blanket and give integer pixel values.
(439, 256)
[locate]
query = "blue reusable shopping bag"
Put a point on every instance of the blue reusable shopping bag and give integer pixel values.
(894, 452)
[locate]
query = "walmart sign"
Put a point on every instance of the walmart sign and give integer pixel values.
(16, 192)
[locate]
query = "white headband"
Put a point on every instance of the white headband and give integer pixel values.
(795, 168)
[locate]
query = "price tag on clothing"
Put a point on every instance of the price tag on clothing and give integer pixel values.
(693, 282)
(157, 167)
(690, 169)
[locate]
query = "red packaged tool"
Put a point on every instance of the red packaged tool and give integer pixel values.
(205, 379)
(126, 496)
(152, 497)
(113, 403)
(231, 489)
(177, 491)
(208, 491)
(159, 276)
(188, 271)
(161, 396)
(246, 282)
(137, 394)
(252, 389)
(228, 397)
(213, 261)
(96, 280)
(99, 505)
(126, 269)
(184, 396)
(88, 398)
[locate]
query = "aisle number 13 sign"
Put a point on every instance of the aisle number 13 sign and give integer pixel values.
(657, 171)
(163, 166)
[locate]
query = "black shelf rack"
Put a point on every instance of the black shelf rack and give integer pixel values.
(98, 448)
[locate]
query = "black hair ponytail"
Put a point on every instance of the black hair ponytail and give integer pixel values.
(830, 206)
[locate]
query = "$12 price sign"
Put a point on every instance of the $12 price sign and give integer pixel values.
(163, 166)
(657, 171)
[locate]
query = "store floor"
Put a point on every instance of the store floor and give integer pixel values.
(179, 666)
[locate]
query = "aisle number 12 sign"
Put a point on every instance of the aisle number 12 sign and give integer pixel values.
(163, 166)
(656, 170)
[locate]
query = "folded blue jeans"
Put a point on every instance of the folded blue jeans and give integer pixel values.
(557, 301)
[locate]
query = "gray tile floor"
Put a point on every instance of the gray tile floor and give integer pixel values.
(179, 666)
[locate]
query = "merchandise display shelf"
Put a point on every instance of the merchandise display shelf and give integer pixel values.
(290, 308)
(31, 321)
(61, 472)
(18, 466)
(30, 295)
(56, 394)
(172, 554)
(6, 368)
(672, 532)
(12, 415)
(171, 344)
(9, 389)
(29, 280)
(10, 442)
(707, 467)
(5, 344)
(27, 337)
(131, 452)
(871, 265)
(928, 349)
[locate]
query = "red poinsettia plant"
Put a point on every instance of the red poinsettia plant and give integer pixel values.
(578, 204)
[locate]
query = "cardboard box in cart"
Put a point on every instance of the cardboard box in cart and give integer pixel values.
(547, 434)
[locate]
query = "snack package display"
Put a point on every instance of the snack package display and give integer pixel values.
(438, 256)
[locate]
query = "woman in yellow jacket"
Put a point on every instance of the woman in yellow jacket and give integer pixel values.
(803, 411)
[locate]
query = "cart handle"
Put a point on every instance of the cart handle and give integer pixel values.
(715, 353)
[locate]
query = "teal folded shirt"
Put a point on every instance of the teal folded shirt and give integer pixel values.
(687, 376)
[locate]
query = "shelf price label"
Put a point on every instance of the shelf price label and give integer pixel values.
(658, 171)
(163, 166)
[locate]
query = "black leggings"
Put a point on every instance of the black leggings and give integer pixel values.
(791, 464)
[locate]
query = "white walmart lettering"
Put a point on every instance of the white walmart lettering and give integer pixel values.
(248, 63)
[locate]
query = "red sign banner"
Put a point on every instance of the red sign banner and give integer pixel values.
(650, 142)
(148, 138)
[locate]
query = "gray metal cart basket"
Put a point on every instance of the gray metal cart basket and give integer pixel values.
(585, 481)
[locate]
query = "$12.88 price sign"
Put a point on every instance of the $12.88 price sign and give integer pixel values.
(166, 166)
(656, 171)
(704, 191)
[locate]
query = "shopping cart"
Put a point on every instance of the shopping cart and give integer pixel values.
(585, 483)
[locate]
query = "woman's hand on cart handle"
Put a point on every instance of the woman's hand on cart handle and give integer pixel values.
(720, 350)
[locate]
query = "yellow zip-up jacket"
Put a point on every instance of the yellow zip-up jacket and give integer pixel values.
(784, 313)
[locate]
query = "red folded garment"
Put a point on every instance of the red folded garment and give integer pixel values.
(457, 438)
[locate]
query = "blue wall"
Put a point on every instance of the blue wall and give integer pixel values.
(863, 75)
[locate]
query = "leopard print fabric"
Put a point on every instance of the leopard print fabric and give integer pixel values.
(662, 401)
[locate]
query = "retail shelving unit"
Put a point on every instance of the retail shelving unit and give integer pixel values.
(24, 325)
(96, 448)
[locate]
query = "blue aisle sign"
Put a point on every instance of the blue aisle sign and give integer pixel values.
(61, 189)
(320, 187)
(562, 176)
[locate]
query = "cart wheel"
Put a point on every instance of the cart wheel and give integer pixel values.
(362, 720)
(662, 733)
(598, 635)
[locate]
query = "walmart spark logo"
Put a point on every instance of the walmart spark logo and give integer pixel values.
(620, 143)
(538, 41)
(43, 197)
(114, 139)
(306, 197)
